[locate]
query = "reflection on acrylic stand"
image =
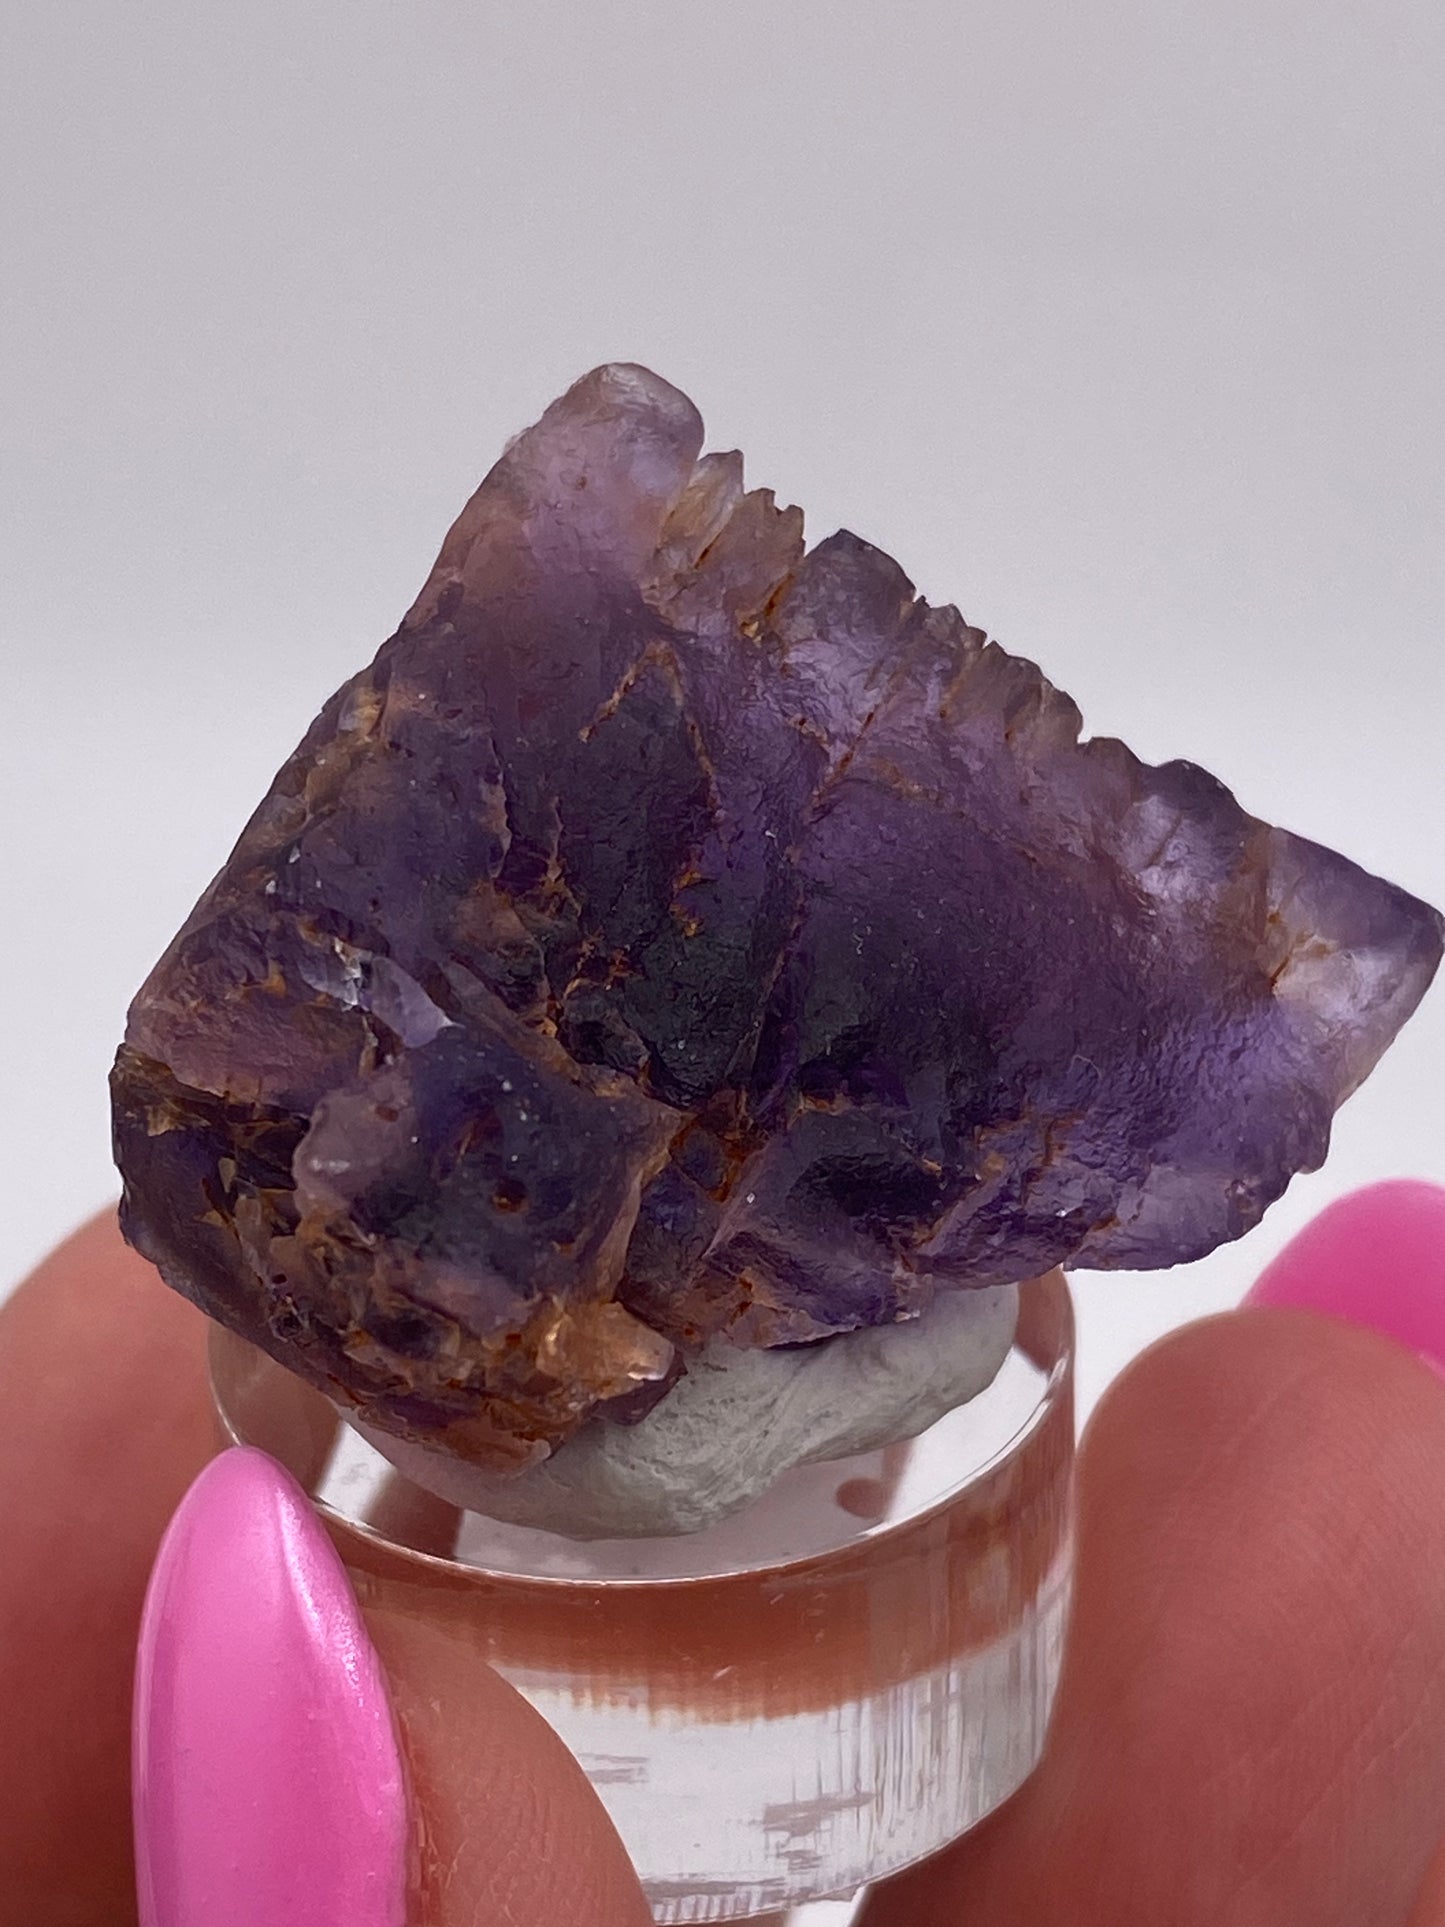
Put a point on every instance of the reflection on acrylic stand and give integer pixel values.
(815, 1692)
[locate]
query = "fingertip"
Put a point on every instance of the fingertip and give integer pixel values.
(509, 1827)
(1375, 1258)
(1262, 1614)
(267, 1781)
(1241, 1447)
(1250, 1726)
(104, 1421)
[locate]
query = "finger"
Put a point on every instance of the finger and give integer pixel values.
(1429, 1908)
(1375, 1257)
(1250, 1727)
(104, 1420)
(512, 1829)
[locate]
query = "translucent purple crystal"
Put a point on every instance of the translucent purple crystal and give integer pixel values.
(676, 933)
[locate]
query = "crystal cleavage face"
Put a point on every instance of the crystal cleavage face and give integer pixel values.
(675, 933)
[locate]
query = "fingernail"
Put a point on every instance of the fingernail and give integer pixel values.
(1377, 1258)
(267, 1780)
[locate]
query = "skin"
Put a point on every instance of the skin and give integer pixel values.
(1250, 1729)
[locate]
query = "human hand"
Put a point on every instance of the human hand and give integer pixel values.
(1250, 1730)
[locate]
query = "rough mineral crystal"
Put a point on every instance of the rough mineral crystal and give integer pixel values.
(676, 935)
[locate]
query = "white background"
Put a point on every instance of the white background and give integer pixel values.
(1118, 324)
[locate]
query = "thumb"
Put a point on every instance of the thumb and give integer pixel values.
(279, 1775)
(274, 1682)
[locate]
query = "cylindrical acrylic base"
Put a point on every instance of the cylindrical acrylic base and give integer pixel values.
(812, 1694)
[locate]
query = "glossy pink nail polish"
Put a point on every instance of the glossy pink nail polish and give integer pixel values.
(268, 1784)
(1377, 1258)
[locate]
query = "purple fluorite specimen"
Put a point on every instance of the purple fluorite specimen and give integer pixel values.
(675, 933)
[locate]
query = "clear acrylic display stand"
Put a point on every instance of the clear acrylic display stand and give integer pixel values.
(816, 1692)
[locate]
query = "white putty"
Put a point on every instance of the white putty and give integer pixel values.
(737, 1422)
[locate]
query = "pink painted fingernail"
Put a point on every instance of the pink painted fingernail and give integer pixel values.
(268, 1784)
(1377, 1258)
